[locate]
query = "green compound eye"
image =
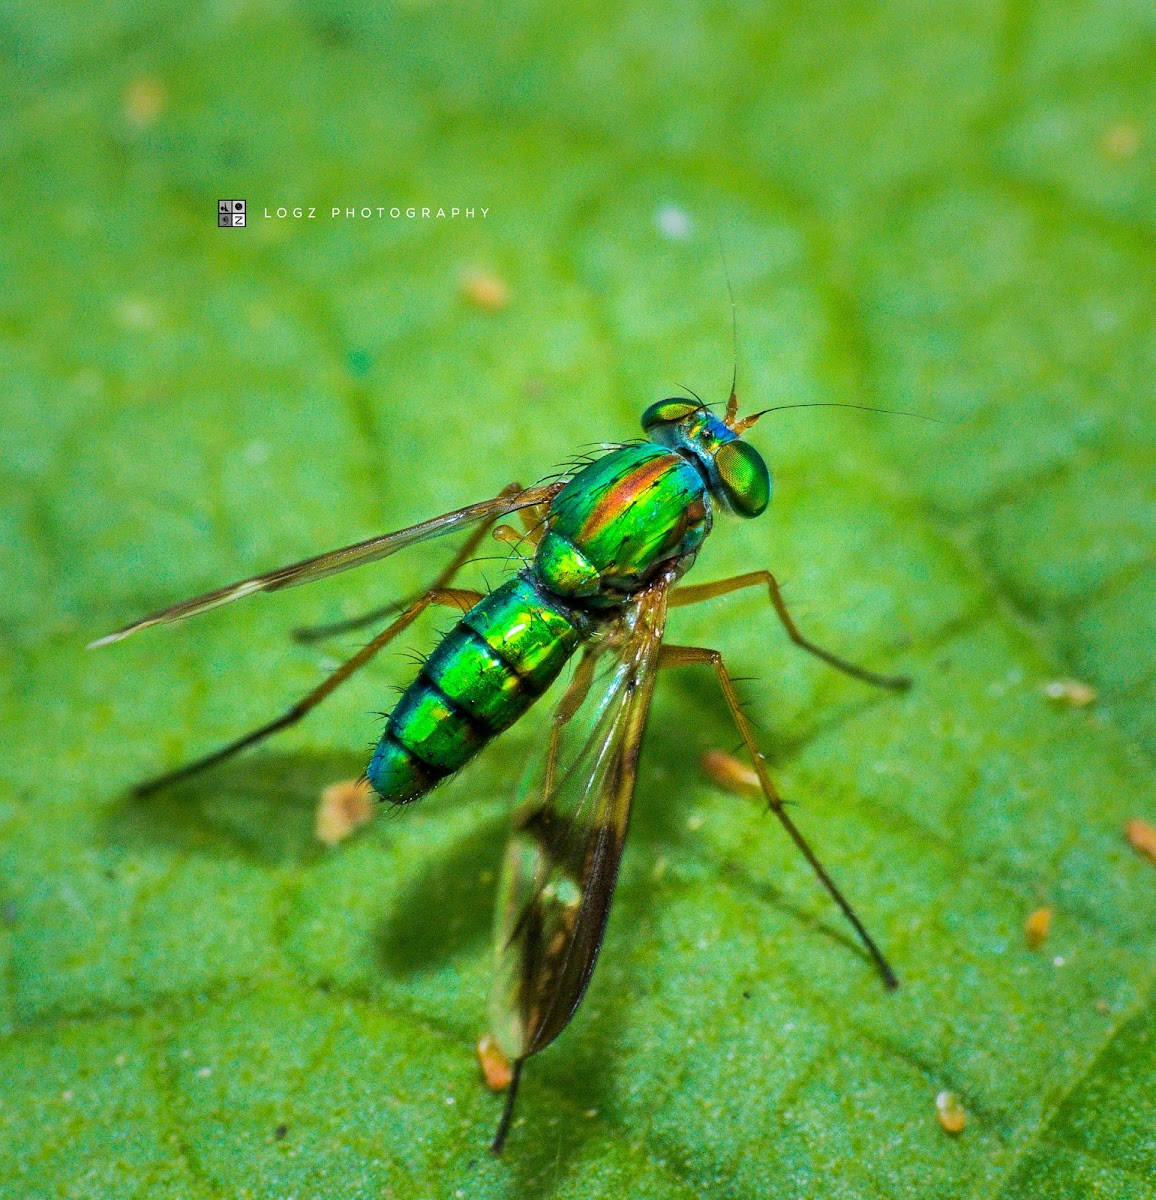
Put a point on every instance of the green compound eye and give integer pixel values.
(666, 412)
(745, 478)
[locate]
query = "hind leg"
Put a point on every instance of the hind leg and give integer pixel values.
(458, 598)
(699, 656)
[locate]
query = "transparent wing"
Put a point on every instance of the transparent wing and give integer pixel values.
(343, 559)
(562, 858)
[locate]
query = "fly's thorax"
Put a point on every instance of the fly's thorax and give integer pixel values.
(619, 520)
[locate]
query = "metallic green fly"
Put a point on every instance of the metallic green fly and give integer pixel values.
(610, 544)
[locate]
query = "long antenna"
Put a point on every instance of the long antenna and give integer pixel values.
(894, 412)
(733, 400)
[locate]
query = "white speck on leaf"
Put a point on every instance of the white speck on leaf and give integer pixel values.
(673, 222)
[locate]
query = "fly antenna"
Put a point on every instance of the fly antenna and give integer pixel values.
(733, 399)
(747, 422)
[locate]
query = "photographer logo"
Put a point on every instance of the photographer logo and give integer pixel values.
(230, 213)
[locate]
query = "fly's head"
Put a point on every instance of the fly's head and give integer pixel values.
(734, 470)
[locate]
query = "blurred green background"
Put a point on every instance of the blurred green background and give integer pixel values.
(939, 207)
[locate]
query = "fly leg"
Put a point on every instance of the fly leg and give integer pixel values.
(458, 598)
(695, 593)
(534, 524)
(317, 633)
(499, 1142)
(687, 656)
(576, 691)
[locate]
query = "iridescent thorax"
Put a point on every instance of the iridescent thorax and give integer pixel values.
(619, 520)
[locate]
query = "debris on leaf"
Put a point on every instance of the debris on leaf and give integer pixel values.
(496, 1068)
(1142, 836)
(1121, 140)
(144, 101)
(730, 773)
(485, 290)
(673, 222)
(344, 807)
(1037, 927)
(952, 1115)
(1070, 692)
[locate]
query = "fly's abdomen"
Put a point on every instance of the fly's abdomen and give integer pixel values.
(487, 671)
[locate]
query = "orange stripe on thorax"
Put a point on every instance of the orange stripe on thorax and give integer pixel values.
(618, 497)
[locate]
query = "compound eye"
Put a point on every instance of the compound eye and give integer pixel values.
(744, 477)
(667, 412)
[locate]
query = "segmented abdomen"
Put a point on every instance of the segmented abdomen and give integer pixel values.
(487, 671)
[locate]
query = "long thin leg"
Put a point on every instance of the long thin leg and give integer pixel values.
(575, 693)
(499, 1142)
(317, 633)
(685, 656)
(459, 598)
(696, 593)
(570, 703)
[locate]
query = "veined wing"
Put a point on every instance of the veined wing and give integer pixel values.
(333, 561)
(562, 859)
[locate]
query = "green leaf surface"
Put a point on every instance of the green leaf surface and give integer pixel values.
(940, 208)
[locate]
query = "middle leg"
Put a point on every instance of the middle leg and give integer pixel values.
(317, 633)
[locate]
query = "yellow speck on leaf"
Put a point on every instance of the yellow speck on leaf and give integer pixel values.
(730, 773)
(344, 807)
(1121, 139)
(496, 1068)
(1142, 836)
(144, 101)
(485, 290)
(1037, 927)
(1070, 692)
(952, 1115)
